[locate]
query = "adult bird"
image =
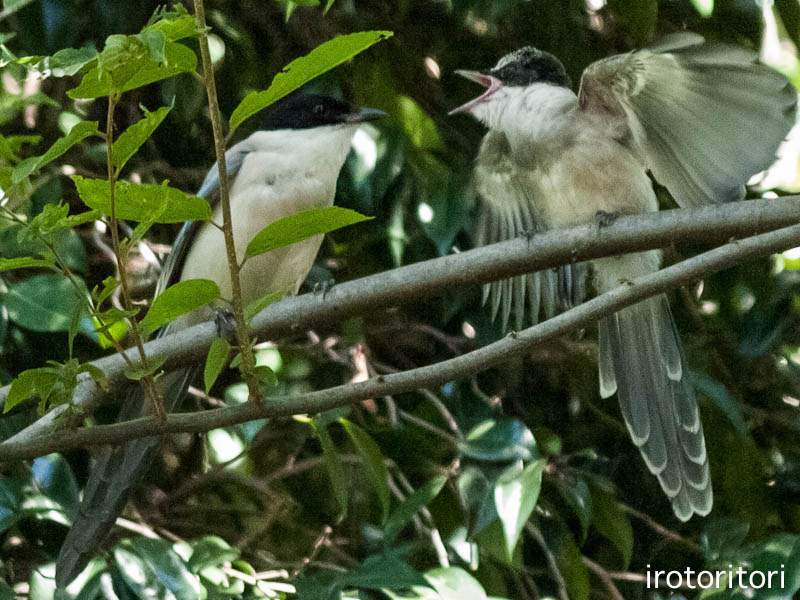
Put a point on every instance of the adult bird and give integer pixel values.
(290, 166)
(702, 119)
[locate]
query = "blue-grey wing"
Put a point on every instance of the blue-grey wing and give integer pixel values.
(507, 210)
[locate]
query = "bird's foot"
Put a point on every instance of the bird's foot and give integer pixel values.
(321, 288)
(604, 218)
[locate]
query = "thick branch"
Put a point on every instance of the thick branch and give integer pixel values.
(26, 446)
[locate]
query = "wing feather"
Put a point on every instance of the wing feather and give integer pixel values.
(704, 118)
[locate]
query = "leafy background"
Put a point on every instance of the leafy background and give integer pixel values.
(326, 504)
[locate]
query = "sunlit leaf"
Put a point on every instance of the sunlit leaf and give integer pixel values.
(515, 496)
(178, 299)
(153, 570)
(302, 70)
(301, 226)
(137, 134)
(143, 70)
(78, 133)
(142, 202)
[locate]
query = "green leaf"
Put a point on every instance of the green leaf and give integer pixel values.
(179, 299)
(10, 500)
(63, 63)
(333, 465)
(453, 583)
(704, 7)
(612, 523)
(78, 133)
(27, 385)
(301, 226)
(419, 127)
(373, 463)
(215, 361)
(25, 262)
(153, 570)
(175, 24)
(143, 202)
(381, 571)
(137, 372)
(256, 306)
(302, 70)
(42, 303)
(499, 440)
(515, 495)
(211, 551)
(266, 376)
(137, 134)
(403, 514)
(140, 69)
(724, 401)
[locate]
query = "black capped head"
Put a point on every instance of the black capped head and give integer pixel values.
(520, 68)
(306, 111)
(530, 65)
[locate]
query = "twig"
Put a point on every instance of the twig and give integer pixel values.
(660, 529)
(605, 577)
(392, 287)
(536, 534)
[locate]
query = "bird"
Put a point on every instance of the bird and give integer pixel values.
(701, 119)
(289, 166)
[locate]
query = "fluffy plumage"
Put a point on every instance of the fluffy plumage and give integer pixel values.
(702, 119)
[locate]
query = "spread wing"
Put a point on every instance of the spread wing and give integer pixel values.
(703, 117)
(508, 211)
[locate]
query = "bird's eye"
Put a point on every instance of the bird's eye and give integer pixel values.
(318, 109)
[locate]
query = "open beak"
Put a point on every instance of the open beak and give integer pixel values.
(365, 114)
(492, 84)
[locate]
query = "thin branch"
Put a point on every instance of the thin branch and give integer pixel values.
(605, 577)
(237, 304)
(661, 530)
(536, 534)
(426, 279)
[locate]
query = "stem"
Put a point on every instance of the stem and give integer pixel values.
(147, 382)
(248, 360)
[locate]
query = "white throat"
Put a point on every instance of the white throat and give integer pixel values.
(535, 114)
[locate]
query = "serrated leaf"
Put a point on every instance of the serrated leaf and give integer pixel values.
(25, 262)
(215, 361)
(301, 226)
(141, 202)
(97, 82)
(79, 132)
(515, 497)
(403, 514)
(179, 299)
(373, 463)
(256, 306)
(137, 134)
(302, 70)
(28, 384)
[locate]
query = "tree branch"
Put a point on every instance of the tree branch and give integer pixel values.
(428, 278)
